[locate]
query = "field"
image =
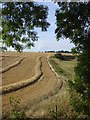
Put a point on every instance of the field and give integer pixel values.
(29, 78)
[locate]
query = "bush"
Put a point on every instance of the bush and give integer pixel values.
(59, 56)
(81, 85)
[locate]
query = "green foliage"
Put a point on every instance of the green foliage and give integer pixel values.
(19, 19)
(59, 56)
(16, 112)
(74, 51)
(57, 68)
(81, 84)
(3, 49)
(81, 105)
(73, 21)
(64, 67)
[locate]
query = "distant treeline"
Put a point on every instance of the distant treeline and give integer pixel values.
(62, 51)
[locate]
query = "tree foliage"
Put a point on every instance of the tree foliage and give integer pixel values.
(19, 20)
(73, 22)
(74, 51)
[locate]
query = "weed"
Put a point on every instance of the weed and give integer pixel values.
(57, 114)
(16, 112)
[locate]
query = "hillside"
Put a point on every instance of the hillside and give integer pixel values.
(30, 95)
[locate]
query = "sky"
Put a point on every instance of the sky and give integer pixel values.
(47, 40)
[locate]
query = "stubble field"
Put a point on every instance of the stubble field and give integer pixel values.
(24, 69)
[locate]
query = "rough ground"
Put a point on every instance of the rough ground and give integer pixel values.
(30, 95)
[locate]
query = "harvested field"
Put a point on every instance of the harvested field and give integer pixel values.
(18, 85)
(20, 72)
(46, 86)
(23, 71)
(7, 60)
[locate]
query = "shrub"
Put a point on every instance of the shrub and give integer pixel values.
(59, 56)
(81, 85)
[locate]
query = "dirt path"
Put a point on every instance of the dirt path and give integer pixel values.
(31, 95)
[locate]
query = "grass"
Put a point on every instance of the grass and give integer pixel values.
(64, 68)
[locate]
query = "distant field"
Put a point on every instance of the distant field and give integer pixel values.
(36, 99)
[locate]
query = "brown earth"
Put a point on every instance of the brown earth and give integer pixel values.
(30, 95)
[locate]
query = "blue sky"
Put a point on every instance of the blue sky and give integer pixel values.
(47, 40)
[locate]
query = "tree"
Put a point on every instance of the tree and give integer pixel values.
(3, 49)
(74, 51)
(73, 22)
(19, 20)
